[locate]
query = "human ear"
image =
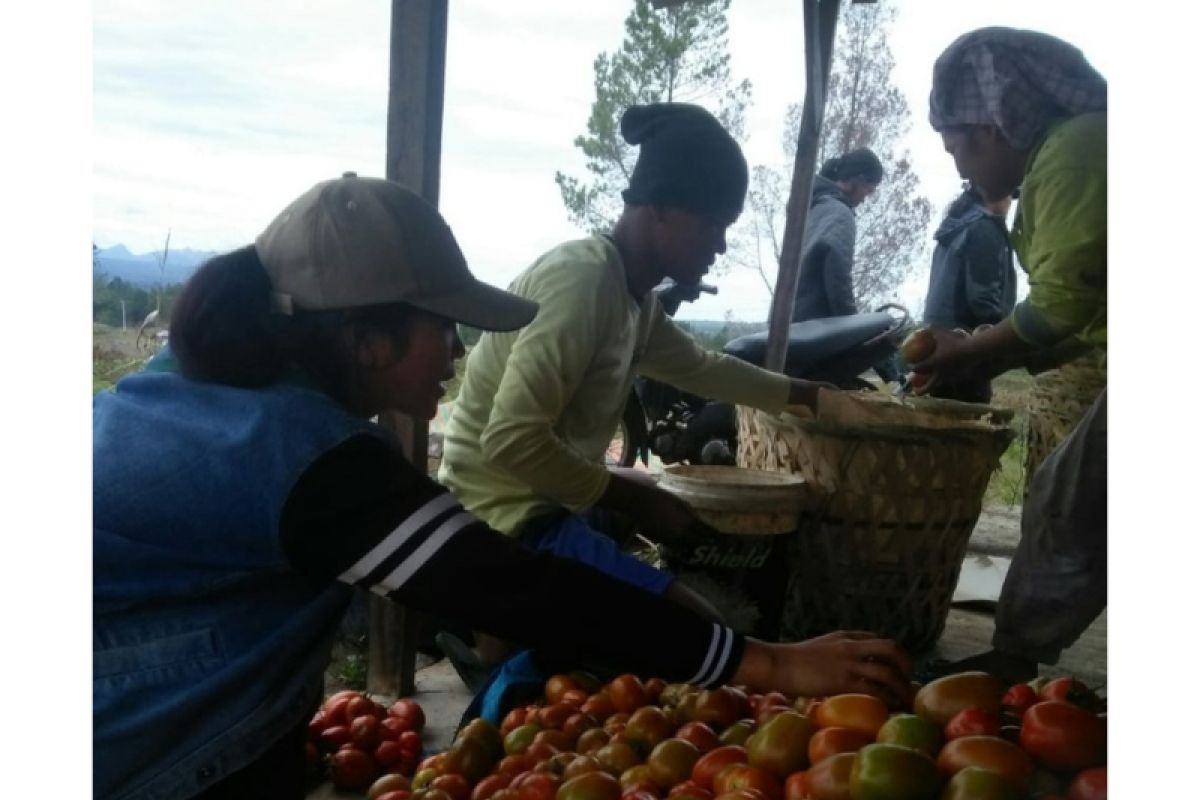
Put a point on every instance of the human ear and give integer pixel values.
(369, 348)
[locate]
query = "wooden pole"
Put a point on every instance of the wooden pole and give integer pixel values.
(416, 91)
(820, 24)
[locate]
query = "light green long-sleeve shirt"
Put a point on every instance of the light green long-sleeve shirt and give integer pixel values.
(1061, 236)
(539, 406)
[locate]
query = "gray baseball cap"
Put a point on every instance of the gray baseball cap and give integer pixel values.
(355, 241)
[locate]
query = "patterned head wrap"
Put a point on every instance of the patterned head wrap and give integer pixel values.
(1014, 79)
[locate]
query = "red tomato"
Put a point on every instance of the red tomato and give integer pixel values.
(454, 785)
(1069, 690)
(575, 697)
(577, 723)
(972, 722)
(335, 712)
(512, 720)
(554, 716)
(344, 694)
(557, 686)
(654, 689)
(535, 786)
(407, 709)
(1019, 697)
(352, 769)
(793, 787)
(690, 789)
(599, 705)
(364, 732)
(515, 764)
(1064, 736)
(399, 794)
(744, 776)
(317, 724)
(828, 742)
(410, 741)
(711, 763)
(1091, 784)
(700, 735)
(389, 755)
(639, 794)
(829, 780)
(359, 706)
(628, 693)
(490, 785)
(334, 737)
(391, 728)
(721, 707)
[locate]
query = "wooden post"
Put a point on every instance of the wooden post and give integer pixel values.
(416, 90)
(820, 24)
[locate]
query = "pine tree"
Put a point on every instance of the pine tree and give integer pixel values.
(864, 108)
(677, 54)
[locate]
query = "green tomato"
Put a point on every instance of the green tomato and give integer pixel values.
(977, 783)
(909, 730)
(893, 772)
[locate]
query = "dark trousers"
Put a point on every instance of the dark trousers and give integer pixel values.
(1058, 582)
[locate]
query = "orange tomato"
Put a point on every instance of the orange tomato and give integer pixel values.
(828, 742)
(858, 712)
(990, 752)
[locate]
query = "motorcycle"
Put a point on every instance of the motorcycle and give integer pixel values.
(677, 426)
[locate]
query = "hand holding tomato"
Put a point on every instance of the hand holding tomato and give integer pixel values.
(842, 662)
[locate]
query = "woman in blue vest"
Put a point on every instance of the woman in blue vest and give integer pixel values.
(240, 495)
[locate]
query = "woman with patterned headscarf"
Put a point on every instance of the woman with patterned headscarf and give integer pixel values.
(1024, 111)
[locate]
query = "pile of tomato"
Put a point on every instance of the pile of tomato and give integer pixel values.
(358, 743)
(966, 737)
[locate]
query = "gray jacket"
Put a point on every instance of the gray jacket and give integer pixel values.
(826, 288)
(972, 280)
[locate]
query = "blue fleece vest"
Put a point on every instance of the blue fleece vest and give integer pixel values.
(207, 647)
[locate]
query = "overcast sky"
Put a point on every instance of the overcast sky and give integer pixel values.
(210, 116)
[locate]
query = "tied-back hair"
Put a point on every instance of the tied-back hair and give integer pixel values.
(861, 163)
(224, 330)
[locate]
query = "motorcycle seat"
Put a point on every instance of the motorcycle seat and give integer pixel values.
(815, 340)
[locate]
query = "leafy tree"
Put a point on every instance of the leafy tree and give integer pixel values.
(677, 54)
(864, 108)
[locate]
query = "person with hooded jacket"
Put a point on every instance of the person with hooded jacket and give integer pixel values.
(972, 280)
(826, 285)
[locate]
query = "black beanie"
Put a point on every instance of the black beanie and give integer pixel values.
(687, 160)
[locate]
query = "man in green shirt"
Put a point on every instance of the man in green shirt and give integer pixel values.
(1023, 111)
(538, 408)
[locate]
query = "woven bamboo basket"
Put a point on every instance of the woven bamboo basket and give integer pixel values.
(1059, 399)
(901, 487)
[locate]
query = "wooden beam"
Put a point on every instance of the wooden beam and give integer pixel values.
(416, 91)
(820, 25)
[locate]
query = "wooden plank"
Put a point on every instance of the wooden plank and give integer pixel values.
(416, 90)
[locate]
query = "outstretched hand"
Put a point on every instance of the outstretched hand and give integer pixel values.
(836, 663)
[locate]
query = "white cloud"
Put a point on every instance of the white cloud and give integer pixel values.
(210, 116)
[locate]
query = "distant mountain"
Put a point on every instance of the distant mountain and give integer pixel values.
(142, 269)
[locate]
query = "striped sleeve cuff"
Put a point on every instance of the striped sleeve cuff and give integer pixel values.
(387, 566)
(722, 658)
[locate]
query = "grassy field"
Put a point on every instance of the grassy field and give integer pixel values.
(114, 354)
